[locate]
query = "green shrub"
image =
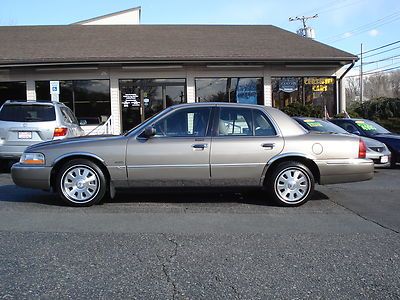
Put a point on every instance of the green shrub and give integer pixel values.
(300, 110)
(385, 111)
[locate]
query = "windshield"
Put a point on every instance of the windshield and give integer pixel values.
(323, 126)
(27, 113)
(370, 127)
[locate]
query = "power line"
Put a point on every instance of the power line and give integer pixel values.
(371, 55)
(339, 7)
(380, 60)
(376, 72)
(384, 46)
(321, 7)
(364, 28)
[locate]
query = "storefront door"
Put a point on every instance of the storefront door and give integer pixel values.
(143, 98)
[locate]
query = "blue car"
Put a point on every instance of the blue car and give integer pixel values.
(368, 128)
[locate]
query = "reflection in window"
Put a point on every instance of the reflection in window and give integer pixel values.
(235, 90)
(88, 99)
(316, 91)
(15, 90)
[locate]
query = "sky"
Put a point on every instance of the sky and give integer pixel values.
(343, 24)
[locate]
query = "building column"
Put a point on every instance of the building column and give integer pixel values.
(190, 88)
(342, 91)
(115, 106)
(31, 90)
(267, 89)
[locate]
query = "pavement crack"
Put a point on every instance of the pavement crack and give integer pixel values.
(235, 291)
(167, 261)
(365, 218)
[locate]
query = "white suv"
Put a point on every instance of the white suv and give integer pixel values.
(24, 123)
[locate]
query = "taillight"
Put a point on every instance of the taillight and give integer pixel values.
(60, 131)
(362, 149)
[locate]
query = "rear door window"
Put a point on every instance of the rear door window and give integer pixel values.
(27, 113)
(262, 125)
(235, 122)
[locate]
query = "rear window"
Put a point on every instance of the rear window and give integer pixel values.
(27, 113)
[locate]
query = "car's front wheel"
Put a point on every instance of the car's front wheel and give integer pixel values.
(291, 183)
(81, 182)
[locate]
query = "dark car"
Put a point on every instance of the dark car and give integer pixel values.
(377, 151)
(371, 129)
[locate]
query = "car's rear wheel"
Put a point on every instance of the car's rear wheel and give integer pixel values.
(291, 183)
(81, 182)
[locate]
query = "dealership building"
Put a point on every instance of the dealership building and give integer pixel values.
(112, 69)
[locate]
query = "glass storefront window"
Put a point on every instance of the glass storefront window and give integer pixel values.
(143, 98)
(88, 99)
(317, 91)
(15, 90)
(234, 90)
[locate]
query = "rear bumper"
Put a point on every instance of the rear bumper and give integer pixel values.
(11, 152)
(37, 177)
(345, 170)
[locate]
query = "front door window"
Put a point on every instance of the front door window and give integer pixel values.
(184, 123)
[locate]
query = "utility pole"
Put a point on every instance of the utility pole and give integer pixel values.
(361, 75)
(305, 31)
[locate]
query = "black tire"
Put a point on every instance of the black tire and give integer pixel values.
(78, 191)
(296, 189)
(3, 166)
(393, 161)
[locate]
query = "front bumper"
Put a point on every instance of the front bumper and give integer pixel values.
(36, 177)
(345, 170)
(380, 158)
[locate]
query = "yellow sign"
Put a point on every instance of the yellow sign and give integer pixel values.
(320, 88)
(319, 80)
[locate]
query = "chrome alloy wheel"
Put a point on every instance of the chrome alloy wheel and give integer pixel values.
(292, 185)
(80, 184)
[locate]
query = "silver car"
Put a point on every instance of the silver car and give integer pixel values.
(24, 123)
(198, 145)
(377, 151)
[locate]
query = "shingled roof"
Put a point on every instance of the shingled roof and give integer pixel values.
(40, 45)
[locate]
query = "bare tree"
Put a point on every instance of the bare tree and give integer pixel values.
(352, 85)
(394, 82)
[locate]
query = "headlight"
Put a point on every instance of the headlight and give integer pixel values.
(32, 159)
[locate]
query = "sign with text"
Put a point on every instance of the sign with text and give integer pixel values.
(54, 87)
(288, 85)
(246, 92)
(131, 100)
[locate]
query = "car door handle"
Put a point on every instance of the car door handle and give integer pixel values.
(199, 146)
(268, 146)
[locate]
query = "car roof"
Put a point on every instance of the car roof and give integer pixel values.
(31, 102)
(223, 104)
(309, 118)
(348, 119)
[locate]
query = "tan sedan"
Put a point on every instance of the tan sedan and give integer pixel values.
(197, 145)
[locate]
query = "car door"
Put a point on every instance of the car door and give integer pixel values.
(244, 140)
(177, 155)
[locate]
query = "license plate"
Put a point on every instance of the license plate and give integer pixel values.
(24, 135)
(384, 159)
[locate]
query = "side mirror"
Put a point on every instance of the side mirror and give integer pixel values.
(149, 131)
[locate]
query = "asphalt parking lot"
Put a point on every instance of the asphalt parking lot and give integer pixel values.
(342, 244)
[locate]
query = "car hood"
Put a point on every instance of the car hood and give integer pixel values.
(391, 140)
(69, 141)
